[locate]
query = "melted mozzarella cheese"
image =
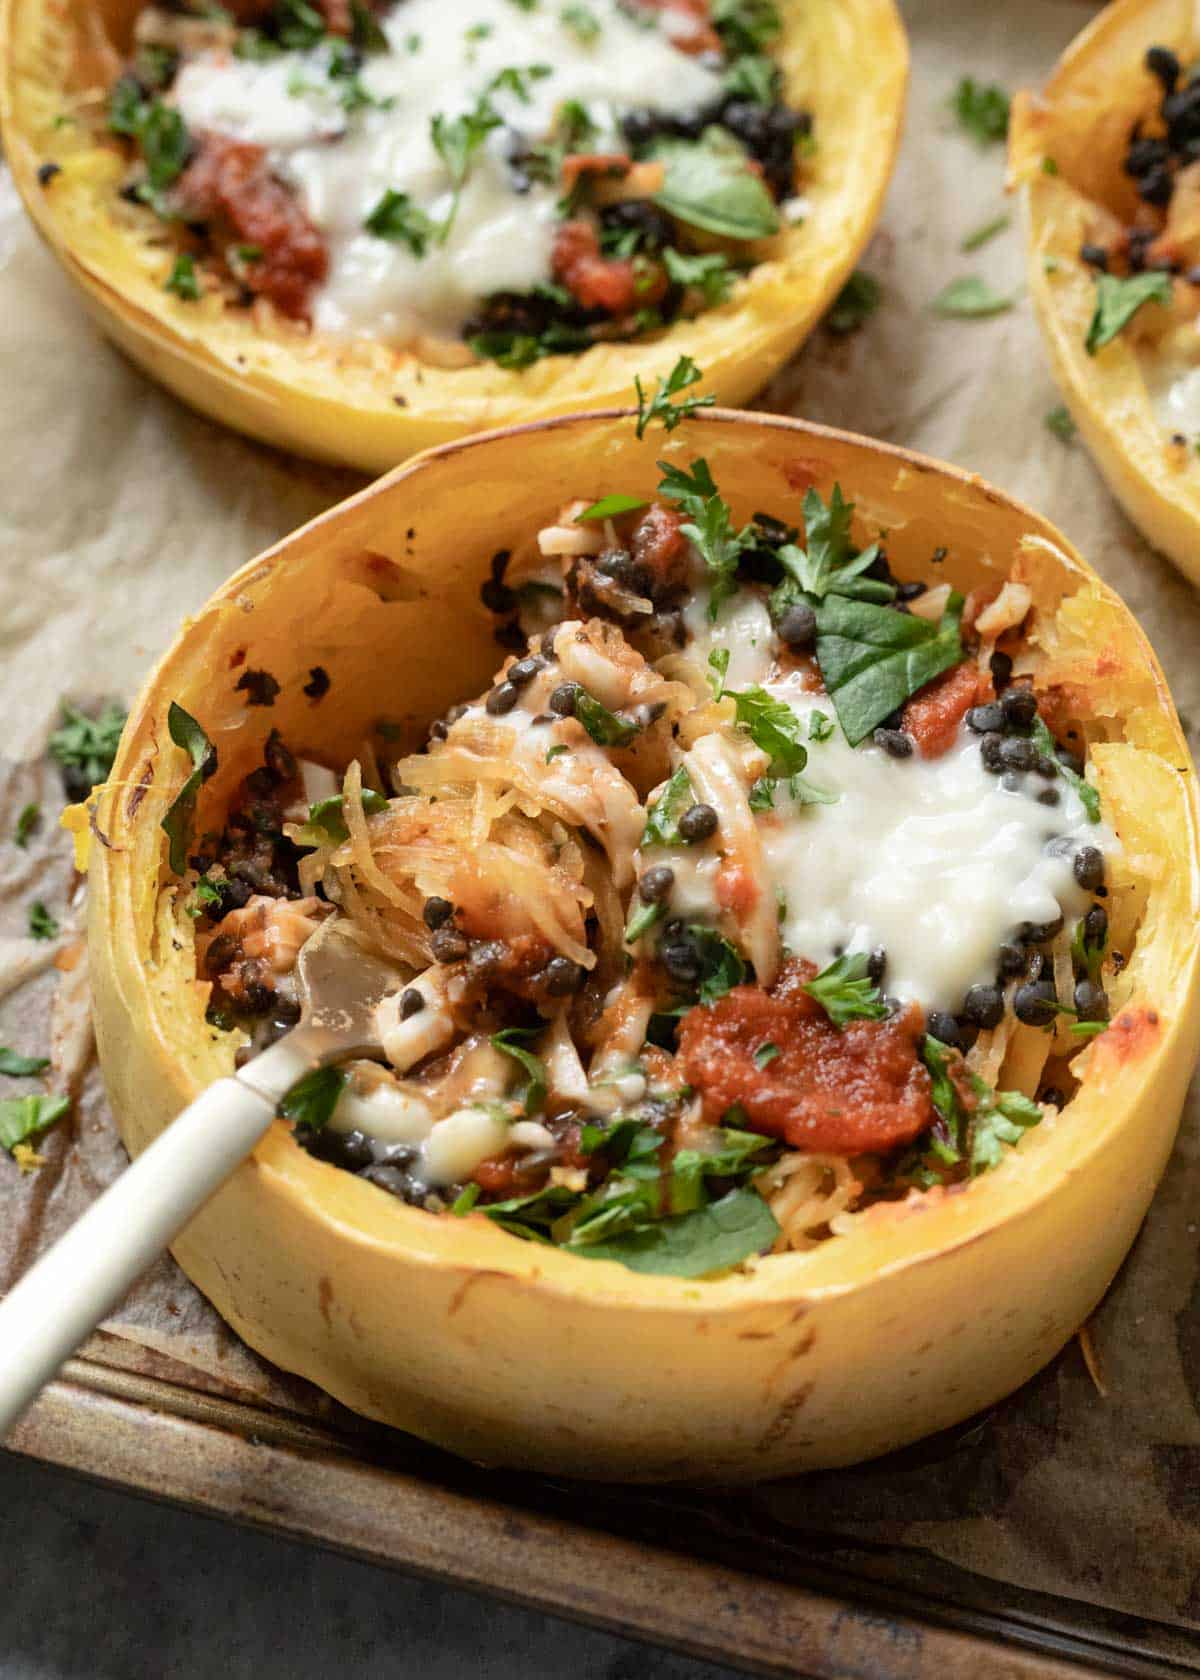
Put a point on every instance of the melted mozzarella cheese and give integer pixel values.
(932, 859)
(441, 58)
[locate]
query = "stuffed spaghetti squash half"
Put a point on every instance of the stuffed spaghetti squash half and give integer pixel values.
(1107, 160)
(786, 851)
(358, 230)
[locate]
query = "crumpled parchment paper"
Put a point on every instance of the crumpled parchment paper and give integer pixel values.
(121, 511)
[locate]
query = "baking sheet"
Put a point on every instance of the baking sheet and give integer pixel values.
(120, 511)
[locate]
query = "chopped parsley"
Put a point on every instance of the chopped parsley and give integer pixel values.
(397, 218)
(84, 747)
(765, 1055)
(1058, 421)
(1089, 798)
(982, 110)
(709, 526)
(977, 1137)
(661, 406)
(859, 298)
(22, 1118)
(310, 1103)
(662, 819)
(846, 992)
(708, 271)
(1118, 301)
(642, 920)
(970, 298)
(42, 924)
(582, 23)
(183, 279)
(205, 899)
(159, 131)
(21, 1067)
(985, 232)
(28, 819)
(457, 141)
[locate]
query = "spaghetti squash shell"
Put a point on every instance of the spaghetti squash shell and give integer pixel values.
(510, 1352)
(368, 405)
(1065, 149)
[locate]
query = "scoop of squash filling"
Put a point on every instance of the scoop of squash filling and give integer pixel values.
(758, 888)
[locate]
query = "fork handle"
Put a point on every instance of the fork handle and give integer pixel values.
(71, 1288)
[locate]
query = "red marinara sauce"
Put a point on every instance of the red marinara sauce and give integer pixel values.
(852, 1091)
(228, 181)
(934, 713)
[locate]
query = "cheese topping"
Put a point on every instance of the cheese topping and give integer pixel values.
(441, 60)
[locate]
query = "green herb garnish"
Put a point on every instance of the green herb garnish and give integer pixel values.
(982, 110)
(661, 407)
(985, 232)
(709, 526)
(708, 184)
(85, 747)
(610, 507)
(846, 992)
(21, 1067)
(42, 924)
(512, 1043)
(604, 727)
(1089, 797)
(183, 279)
(1059, 421)
(397, 218)
(970, 298)
(662, 819)
(22, 1118)
(177, 824)
(310, 1103)
(1118, 301)
(27, 822)
(858, 298)
(708, 271)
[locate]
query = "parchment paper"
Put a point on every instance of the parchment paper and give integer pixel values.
(121, 511)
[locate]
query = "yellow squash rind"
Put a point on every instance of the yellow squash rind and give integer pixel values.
(365, 405)
(515, 1353)
(1081, 124)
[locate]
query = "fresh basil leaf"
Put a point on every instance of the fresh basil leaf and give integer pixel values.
(177, 824)
(1118, 301)
(845, 991)
(604, 727)
(708, 184)
(970, 298)
(628, 1143)
(872, 659)
(512, 1042)
(1089, 796)
(610, 507)
(20, 1067)
(24, 1117)
(662, 819)
(311, 1101)
(709, 1239)
(532, 1216)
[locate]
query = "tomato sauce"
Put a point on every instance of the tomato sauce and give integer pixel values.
(659, 543)
(595, 281)
(856, 1090)
(228, 182)
(698, 36)
(934, 713)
